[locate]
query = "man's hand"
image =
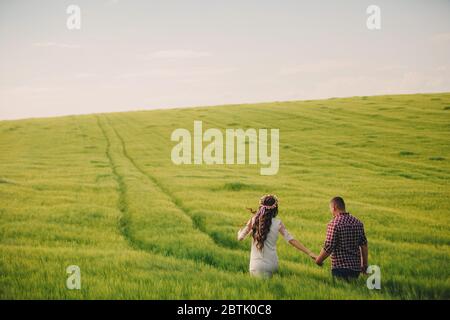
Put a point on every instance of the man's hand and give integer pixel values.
(364, 269)
(321, 258)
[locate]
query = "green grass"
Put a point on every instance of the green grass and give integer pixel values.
(101, 192)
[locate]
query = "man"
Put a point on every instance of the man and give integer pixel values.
(346, 243)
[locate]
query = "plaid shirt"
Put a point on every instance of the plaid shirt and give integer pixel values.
(345, 234)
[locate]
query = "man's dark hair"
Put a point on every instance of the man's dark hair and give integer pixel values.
(339, 203)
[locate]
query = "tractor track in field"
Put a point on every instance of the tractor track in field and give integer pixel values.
(177, 202)
(125, 219)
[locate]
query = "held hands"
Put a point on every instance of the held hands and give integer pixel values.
(312, 255)
(322, 257)
(315, 257)
(318, 261)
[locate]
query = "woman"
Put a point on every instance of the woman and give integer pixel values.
(265, 229)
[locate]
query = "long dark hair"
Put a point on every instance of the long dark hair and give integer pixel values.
(268, 209)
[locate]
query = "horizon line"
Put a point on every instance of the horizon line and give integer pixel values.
(220, 105)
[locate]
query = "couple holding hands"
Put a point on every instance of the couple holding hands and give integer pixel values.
(345, 241)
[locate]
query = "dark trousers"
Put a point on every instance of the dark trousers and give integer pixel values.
(345, 274)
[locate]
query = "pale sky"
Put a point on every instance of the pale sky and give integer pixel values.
(134, 55)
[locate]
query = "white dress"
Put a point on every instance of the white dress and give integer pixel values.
(265, 262)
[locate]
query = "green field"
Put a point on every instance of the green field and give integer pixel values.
(101, 192)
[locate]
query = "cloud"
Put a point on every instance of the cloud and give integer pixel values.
(406, 82)
(131, 75)
(26, 90)
(178, 73)
(56, 45)
(316, 67)
(179, 54)
(441, 38)
(443, 68)
(84, 75)
(111, 3)
(388, 68)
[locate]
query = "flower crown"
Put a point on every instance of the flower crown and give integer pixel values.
(273, 206)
